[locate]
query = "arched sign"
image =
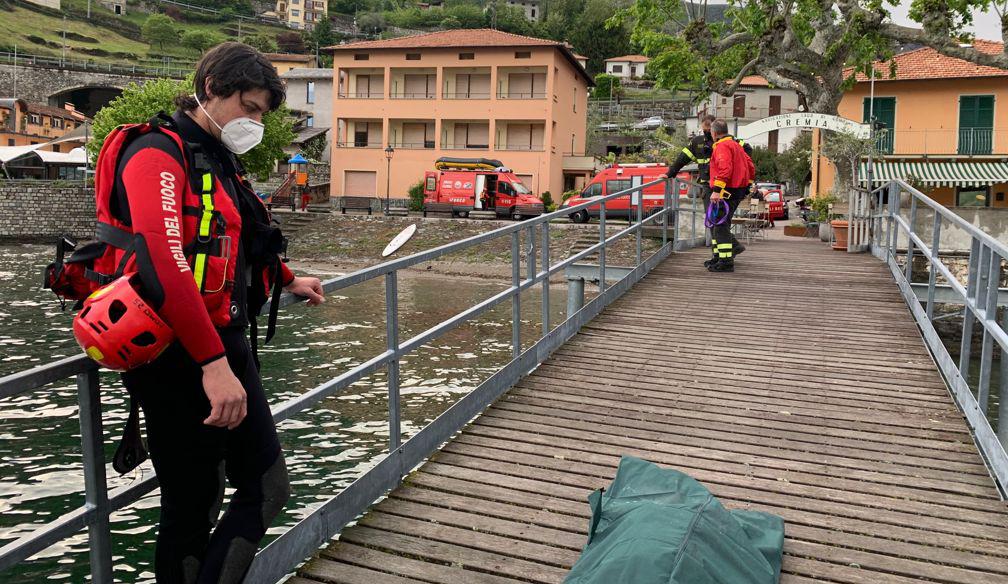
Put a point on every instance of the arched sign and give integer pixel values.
(800, 120)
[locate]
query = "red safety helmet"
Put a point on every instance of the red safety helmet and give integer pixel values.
(118, 329)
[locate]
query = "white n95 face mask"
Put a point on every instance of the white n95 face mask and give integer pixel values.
(240, 134)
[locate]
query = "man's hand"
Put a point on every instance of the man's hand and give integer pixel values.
(715, 196)
(226, 395)
(307, 287)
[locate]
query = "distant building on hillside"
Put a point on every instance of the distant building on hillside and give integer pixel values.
(55, 4)
(302, 14)
(531, 8)
(116, 6)
(627, 66)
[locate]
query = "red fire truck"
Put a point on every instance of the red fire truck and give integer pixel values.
(619, 177)
(461, 185)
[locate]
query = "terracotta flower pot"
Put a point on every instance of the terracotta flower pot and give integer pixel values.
(840, 230)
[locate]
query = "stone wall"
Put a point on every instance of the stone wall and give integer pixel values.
(44, 210)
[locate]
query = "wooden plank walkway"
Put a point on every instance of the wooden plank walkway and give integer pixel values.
(849, 434)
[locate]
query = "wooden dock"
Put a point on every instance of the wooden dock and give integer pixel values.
(798, 385)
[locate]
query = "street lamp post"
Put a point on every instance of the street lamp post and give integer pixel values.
(389, 151)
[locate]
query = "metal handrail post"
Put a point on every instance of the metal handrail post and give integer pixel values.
(990, 312)
(545, 283)
(95, 486)
(531, 257)
(892, 235)
(667, 208)
(1002, 429)
(640, 226)
(392, 344)
(933, 276)
(908, 268)
(966, 345)
(602, 250)
(516, 294)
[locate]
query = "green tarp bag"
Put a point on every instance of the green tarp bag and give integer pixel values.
(659, 526)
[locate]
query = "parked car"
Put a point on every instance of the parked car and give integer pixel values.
(652, 123)
(776, 205)
(461, 185)
(608, 126)
(620, 177)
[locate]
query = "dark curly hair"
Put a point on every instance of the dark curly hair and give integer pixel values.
(234, 67)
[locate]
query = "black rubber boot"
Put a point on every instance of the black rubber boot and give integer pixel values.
(724, 265)
(708, 263)
(737, 249)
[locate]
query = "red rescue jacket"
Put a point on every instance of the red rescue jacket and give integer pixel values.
(730, 166)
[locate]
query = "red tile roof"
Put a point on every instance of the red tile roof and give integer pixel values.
(927, 63)
(288, 57)
(630, 58)
(465, 38)
(754, 81)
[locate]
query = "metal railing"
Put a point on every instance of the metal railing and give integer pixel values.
(177, 70)
(425, 145)
(361, 95)
(358, 144)
(413, 95)
(520, 147)
(521, 95)
(298, 543)
(939, 142)
(465, 94)
(894, 233)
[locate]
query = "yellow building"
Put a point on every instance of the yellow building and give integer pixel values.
(944, 127)
(26, 124)
(458, 93)
(284, 62)
(302, 14)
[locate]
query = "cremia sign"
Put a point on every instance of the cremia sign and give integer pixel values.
(821, 121)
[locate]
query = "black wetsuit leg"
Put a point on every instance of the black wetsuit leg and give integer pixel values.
(192, 460)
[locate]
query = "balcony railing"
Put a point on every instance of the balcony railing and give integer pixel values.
(942, 142)
(976, 140)
(520, 148)
(454, 146)
(425, 145)
(413, 95)
(521, 95)
(361, 95)
(359, 144)
(466, 95)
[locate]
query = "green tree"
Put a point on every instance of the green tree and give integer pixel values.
(139, 103)
(314, 149)
(592, 38)
(372, 22)
(321, 36)
(468, 15)
(607, 86)
(200, 40)
(159, 29)
(291, 42)
(765, 163)
(416, 197)
(261, 42)
(795, 163)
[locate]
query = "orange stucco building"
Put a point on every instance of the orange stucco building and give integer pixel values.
(459, 93)
(945, 127)
(25, 124)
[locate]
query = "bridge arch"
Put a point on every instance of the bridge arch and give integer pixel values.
(88, 99)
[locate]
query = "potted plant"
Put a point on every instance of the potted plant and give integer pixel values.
(796, 228)
(820, 207)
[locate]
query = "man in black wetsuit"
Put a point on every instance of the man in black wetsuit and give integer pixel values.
(699, 150)
(206, 413)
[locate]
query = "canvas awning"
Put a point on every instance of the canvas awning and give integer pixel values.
(940, 174)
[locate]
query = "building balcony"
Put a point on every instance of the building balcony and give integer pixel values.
(413, 83)
(943, 142)
(521, 83)
(466, 83)
(520, 136)
(358, 133)
(411, 134)
(361, 83)
(465, 135)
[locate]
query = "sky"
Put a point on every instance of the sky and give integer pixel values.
(985, 25)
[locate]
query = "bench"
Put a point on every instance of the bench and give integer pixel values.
(359, 203)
